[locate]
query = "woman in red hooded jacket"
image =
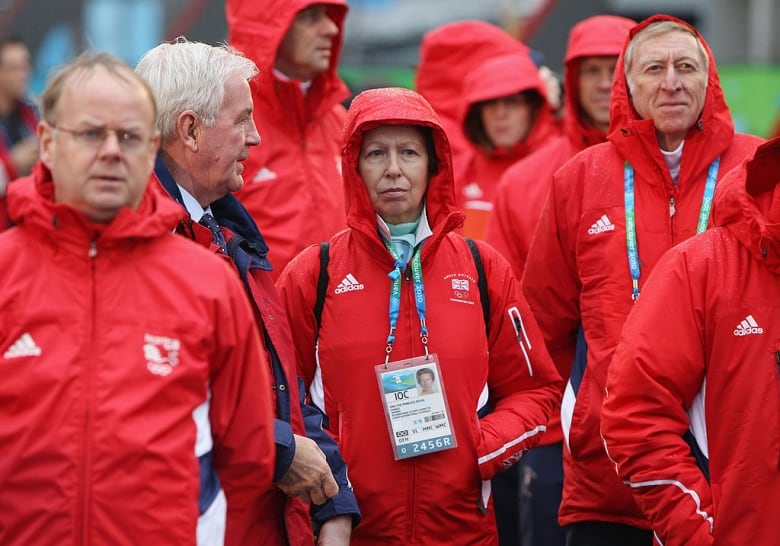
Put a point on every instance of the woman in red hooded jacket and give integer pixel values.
(420, 464)
(505, 116)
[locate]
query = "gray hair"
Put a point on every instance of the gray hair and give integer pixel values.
(188, 75)
(658, 29)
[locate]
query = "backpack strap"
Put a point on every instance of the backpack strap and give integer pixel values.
(481, 283)
(322, 284)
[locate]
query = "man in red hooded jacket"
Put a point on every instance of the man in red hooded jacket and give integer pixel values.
(613, 210)
(693, 394)
(293, 184)
(591, 54)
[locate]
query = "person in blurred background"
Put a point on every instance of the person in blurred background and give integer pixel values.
(505, 116)
(18, 117)
(293, 184)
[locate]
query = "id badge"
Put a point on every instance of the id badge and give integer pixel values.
(415, 404)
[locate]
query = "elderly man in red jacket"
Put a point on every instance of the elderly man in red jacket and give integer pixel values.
(612, 211)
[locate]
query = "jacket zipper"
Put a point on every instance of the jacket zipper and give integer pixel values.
(86, 456)
(672, 212)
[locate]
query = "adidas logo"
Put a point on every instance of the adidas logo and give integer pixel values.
(24, 346)
(747, 327)
(603, 224)
(264, 175)
(473, 191)
(349, 284)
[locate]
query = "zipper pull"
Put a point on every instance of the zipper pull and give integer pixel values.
(92, 249)
(671, 207)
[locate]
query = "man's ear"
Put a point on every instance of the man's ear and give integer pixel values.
(45, 134)
(188, 127)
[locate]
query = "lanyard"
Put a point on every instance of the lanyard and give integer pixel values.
(395, 297)
(704, 216)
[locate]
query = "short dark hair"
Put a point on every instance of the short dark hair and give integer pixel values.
(423, 371)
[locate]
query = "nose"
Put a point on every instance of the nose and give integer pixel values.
(328, 27)
(671, 81)
(393, 165)
(605, 80)
(252, 134)
(110, 145)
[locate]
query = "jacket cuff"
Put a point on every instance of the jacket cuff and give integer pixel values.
(285, 448)
(343, 504)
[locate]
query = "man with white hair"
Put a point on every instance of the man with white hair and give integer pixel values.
(207, 129)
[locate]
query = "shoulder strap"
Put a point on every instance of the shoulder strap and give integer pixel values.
(481, 283)
(322, 283)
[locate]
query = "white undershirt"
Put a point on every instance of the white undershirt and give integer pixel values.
(192, 205)
(673, 160)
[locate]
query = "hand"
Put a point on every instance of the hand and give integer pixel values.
(24, 155)
(309, 477)
(335, 532)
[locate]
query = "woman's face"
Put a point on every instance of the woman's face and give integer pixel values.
(393, 163)
(507, 120)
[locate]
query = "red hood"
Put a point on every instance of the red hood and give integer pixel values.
(257, 28)
(396, 106)
(748, 204)
(31, 204)
(600, 35)
(452, 50)
(635, 138)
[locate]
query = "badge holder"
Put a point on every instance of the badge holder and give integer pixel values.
(415, 405)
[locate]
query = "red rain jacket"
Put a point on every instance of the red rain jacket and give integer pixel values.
(431, 499)
(700, 356)
(523, 188)
(292, 181)
(578, 274)
(476, 183)
(126, 350)
(465, 45)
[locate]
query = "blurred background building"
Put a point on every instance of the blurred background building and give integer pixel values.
(382, 37)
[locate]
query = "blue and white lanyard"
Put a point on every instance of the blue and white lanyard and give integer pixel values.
(395, 297)
(704, 217)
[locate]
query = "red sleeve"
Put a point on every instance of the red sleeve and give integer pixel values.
(655, 376)
(523, 383)
(550, 280)
(241, 414)
(500, 233)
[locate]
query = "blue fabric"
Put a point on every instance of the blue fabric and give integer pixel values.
(216, 233)
(209, 483)
(580, 361)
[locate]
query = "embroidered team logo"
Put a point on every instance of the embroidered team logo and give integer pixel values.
(460, 286)
(161, 353)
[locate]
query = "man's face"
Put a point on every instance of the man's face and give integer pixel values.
(668, 84)
(14, 70)
(595, 81)
(99, 176)
(305, 50)
(222, 148)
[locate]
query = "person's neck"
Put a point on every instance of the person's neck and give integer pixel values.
(182, 176)
(669, 142)
(6, 105)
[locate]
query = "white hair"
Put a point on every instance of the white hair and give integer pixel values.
(188, 75)
(657, 29)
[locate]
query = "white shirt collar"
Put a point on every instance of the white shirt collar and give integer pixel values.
(192, 205)
(673, 160)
